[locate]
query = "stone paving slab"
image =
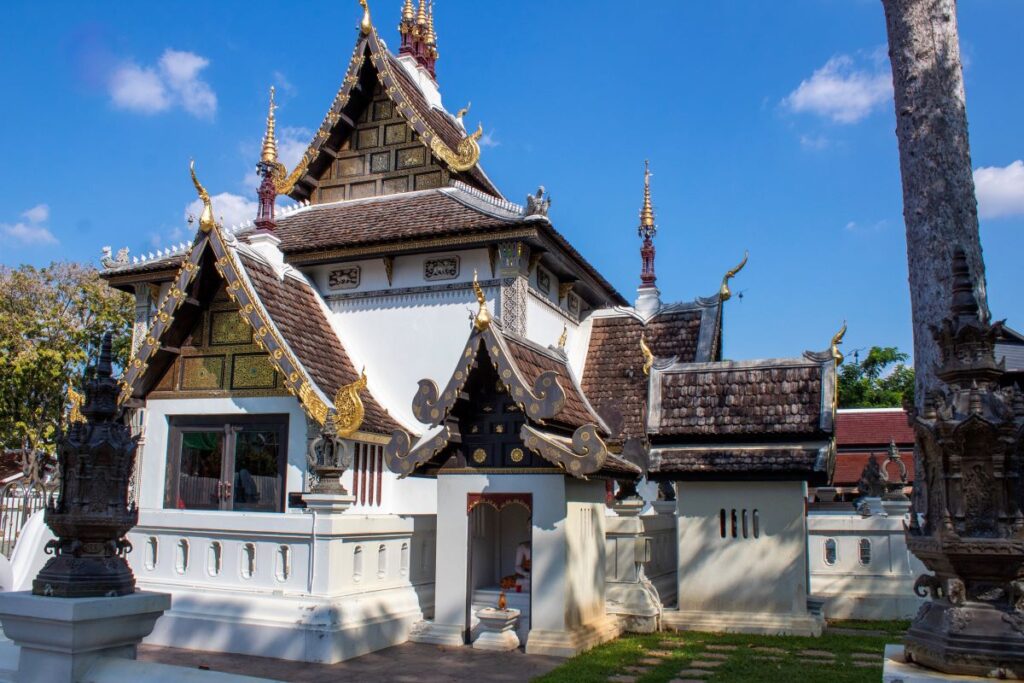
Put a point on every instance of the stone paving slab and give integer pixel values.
(652, 661)
(695, 672)
(771, 650)
(620, 678)
(714, 655)
(406, 663)
(660, 653)
(723, 648)
(636, 669)
(873, 656)
(687, 680)
(868, 665)
(817, 653)
(705, 664)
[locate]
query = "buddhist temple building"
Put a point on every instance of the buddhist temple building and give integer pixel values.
(504, 422)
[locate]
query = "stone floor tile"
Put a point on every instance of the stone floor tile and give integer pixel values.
(772, 650)
(723, 648)
(817, 653)
(621, 678)
(705, 664)
(660, 653)
(714, 655)
(873, 656)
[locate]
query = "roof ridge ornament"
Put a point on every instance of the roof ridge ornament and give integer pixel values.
(837, 339)
(366, 25)
(648, 355)
(348, 407)
(269, 153)
(207, 222)
(647, 231)
(724, 292)
(483, 316)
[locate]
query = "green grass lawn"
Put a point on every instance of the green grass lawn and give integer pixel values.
(837, 657)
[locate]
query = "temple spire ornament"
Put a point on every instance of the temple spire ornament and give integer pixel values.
(207, 222)
(268, 169)
(648, 300)
(366, 24)
(483, 317)
(724, 293)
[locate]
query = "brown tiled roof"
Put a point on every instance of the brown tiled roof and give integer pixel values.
(872, 427)
(294, 308)
(731, 399)
(850, 465)
(533, 362)
(613, 377)
(738, 460)
(416, 215)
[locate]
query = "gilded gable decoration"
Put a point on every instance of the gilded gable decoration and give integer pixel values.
(348, 408)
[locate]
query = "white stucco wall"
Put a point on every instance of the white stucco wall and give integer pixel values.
(544, 325)
(767, 574)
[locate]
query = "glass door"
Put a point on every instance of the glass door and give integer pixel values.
(255, 467)
(200, 485)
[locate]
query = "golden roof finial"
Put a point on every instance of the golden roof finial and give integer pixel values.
(431, 38)
(564, 337)
(421, 14)
(648, 356)
(837, 339)
(365, 26)
(408, 13)
(206, 221)
(483, 316)
(724, 293)
(647, 212)
(269, 154)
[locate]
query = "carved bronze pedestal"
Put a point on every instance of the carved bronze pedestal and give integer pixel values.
(91, 514)
(969, 435)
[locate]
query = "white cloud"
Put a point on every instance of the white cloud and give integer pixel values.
(230, 209)
(841, 92)
(814, 142)
(31, 231)
(291, 145)
(37, 214)
(174, 81)
(1000, 191)
(489, 140)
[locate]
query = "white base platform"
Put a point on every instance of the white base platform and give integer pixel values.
(430, 633)
(497, 630)
(572, 643)
(743, 622)
(488, 597)
(296, 628)
(897, 670)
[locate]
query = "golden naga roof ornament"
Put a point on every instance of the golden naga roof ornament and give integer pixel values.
(837, 339)
(725, 293)
(269, 153)
(465, 156)
(563, 338)
(75, 400)
(483, 316)
(206, 221)
(462, 112)
(366, 25)
(648, 356)
(348, 407)
(647, 212)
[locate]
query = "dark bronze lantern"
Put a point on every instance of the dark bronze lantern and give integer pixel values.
(969, 435)
(91, 515)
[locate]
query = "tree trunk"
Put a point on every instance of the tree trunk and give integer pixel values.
(939, 207)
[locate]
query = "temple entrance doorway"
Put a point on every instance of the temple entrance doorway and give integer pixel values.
(500, 556)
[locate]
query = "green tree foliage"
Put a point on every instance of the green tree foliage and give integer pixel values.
(51, 323)
(881, 380)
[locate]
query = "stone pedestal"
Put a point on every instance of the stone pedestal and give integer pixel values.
(61, 638)
(897, 669)
(497, 629)
(328, 502)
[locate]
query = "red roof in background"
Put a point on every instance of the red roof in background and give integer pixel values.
(872, 428)
(850, 465)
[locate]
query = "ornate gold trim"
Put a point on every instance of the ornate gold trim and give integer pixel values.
(483, 316)
(348, 408)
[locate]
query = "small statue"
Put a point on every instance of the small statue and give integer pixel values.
(502, 600)
(538, 205)
(523, 566)
(894, 489)
(871, 479)
(121, 260)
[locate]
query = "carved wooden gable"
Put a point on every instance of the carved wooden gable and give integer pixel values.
(219, 357)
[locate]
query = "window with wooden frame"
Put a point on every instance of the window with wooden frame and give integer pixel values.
(227, 463)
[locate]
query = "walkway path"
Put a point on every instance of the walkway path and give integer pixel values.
(408, 663)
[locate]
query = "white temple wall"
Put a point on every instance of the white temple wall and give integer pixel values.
(753, 577)
(544, 324)
(305, 587)
(868, 572)
(585, 548)
(153, 455)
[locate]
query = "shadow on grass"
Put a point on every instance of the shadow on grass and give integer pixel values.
(849, 659)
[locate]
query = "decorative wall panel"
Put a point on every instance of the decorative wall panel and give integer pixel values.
(252, 371)
(227, 328)
(203, 373)
(446, 268)
(344, 278)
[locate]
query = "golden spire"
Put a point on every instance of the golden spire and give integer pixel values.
(483, 316)
(206, 221)
(647, 212)
(431, 38)
(837, 339)
(365, 26)
(724, 293)
(269, 154)
(421, 15)
(408, 13)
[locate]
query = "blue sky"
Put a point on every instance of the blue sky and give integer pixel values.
(769, 126)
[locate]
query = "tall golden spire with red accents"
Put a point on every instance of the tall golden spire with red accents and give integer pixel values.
(419, 40)
(267, 169)
(647, 231)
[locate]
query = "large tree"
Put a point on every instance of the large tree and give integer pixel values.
(51, 322)
(881, 380)
(939, 207)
